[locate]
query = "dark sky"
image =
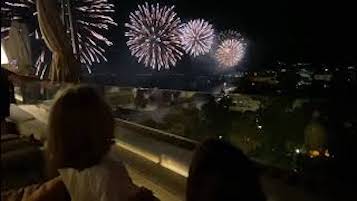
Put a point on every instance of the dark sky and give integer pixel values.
(295, 31)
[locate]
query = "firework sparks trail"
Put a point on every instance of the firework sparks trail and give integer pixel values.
(154, 36)
(230, 52)
(93, 21)
(229, 34)
(14, 10)
(40, 60)
(43, 71)
(197, 37)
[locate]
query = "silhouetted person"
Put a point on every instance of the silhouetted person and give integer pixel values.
(221, 172)
(80, 151)
(4, 98)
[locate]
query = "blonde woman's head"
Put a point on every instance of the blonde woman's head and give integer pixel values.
(80, 130)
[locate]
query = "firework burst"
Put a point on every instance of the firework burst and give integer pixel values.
(11, 10)
(197, 37)
(154, 36)
(230, 52)
(93, 21)
(229, 34)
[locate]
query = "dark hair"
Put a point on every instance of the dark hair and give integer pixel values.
(221, 172)
(80, 129)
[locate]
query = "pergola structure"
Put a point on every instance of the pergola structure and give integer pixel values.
(59, 34)
(67, 19)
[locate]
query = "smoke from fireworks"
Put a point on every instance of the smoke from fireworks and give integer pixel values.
(154, 36)
(93, 20)
(197, 37)
(229, 34)
(230, 52)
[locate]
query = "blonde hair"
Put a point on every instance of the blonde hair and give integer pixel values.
(80, 129)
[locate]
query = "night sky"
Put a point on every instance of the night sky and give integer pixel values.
(296, 31)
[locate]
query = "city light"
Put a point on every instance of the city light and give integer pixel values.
(314, 153)
(327, 154)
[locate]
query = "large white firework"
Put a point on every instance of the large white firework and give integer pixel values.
(197, 37)
(93, 21)
(230, 52)
(154, 36)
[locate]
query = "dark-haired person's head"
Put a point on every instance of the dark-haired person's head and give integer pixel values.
(80, 130)
(221, 172)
